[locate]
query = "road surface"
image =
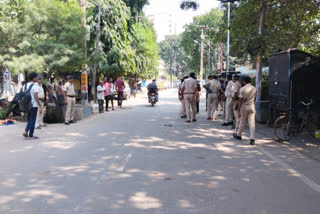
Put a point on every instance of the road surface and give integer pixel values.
(147, 160)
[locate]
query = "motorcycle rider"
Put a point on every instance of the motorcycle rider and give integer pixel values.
(153, 88)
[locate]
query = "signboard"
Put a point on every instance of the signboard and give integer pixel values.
(84, 81)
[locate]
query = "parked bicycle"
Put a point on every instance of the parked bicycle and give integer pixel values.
(288, 124)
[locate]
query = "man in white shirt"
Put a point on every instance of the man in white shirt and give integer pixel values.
(100, 95)
(32, 114)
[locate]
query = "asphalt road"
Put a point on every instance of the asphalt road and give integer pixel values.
(147, 160)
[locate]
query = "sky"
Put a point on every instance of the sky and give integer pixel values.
(162, 8)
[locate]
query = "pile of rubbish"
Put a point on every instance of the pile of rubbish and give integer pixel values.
(7, 122)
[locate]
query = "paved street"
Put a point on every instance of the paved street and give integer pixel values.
(147, 160)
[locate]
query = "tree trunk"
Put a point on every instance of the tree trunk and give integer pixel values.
(94, 75)
(259, 58)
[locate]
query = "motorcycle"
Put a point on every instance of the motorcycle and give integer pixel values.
(153, 99)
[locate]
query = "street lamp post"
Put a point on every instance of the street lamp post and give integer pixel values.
(201, 58)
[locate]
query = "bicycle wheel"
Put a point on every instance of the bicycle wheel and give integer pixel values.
(283, 129)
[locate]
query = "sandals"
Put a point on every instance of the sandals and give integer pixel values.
(33, 138)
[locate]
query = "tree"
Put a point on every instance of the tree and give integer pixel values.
(190, 41)
(172, 53)
(43, 35)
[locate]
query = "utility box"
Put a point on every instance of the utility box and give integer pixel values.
(294, 76)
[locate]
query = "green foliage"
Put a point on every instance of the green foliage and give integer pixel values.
(264, 86)
(136, 6)
(43, 36)
(3, 113)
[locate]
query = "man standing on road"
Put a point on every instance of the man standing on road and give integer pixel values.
(190, 95)
(41, 96)
(213, 87)
(51, 92)
(120, 86)
(207, 92)
(183, 105)
(247, 109)
(235, 100)
(109, 91)
(100, 96)
(228, 94)
(32, 114)
(71, 100)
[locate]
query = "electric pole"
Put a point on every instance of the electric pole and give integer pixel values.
(84, 75)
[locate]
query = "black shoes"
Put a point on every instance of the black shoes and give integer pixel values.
(227, 124)
(184, 116)
(66, 123)
(252, 142)
(236, 137)
(72, 121)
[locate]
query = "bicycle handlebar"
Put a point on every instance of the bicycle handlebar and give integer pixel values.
(306, 104)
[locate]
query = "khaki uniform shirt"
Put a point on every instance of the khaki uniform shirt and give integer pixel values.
(190, 86)
(236, 88)
(214, 86)
(229, 89)
(248, 93)
(69, 89)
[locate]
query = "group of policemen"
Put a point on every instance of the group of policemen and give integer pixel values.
(239, 96)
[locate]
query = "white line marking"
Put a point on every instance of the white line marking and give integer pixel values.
(125, 162)
(313, 185)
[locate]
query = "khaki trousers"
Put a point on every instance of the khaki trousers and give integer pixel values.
(183, 107)
(190, 102)
(70, 109)
(229, 110)
(212, 103)
(248, 112)
(39, 121)
(236, 115)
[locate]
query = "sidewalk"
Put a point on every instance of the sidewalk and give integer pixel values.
(301, 142)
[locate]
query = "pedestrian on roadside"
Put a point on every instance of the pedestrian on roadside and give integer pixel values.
(180, 95)
(221, 97)
(23, 84)
(207, 92)
(120, 86)
(235, 100)
(100, 95)
(41, 96)
(190, 95)
(247, 109)
(71, 100)
(110, 97)
(61, 95)
(33, 87)
(198, 99)
(213, 87)
(51, 92)
(228, 94)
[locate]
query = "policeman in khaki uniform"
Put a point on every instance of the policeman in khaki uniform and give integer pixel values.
(71, 100)
(190, 94)
(247, 109)
(183, 105)
(213, 87)
(235, 99)
(228, 94)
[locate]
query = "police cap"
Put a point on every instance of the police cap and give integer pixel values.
(236, 76)
(69, 77)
